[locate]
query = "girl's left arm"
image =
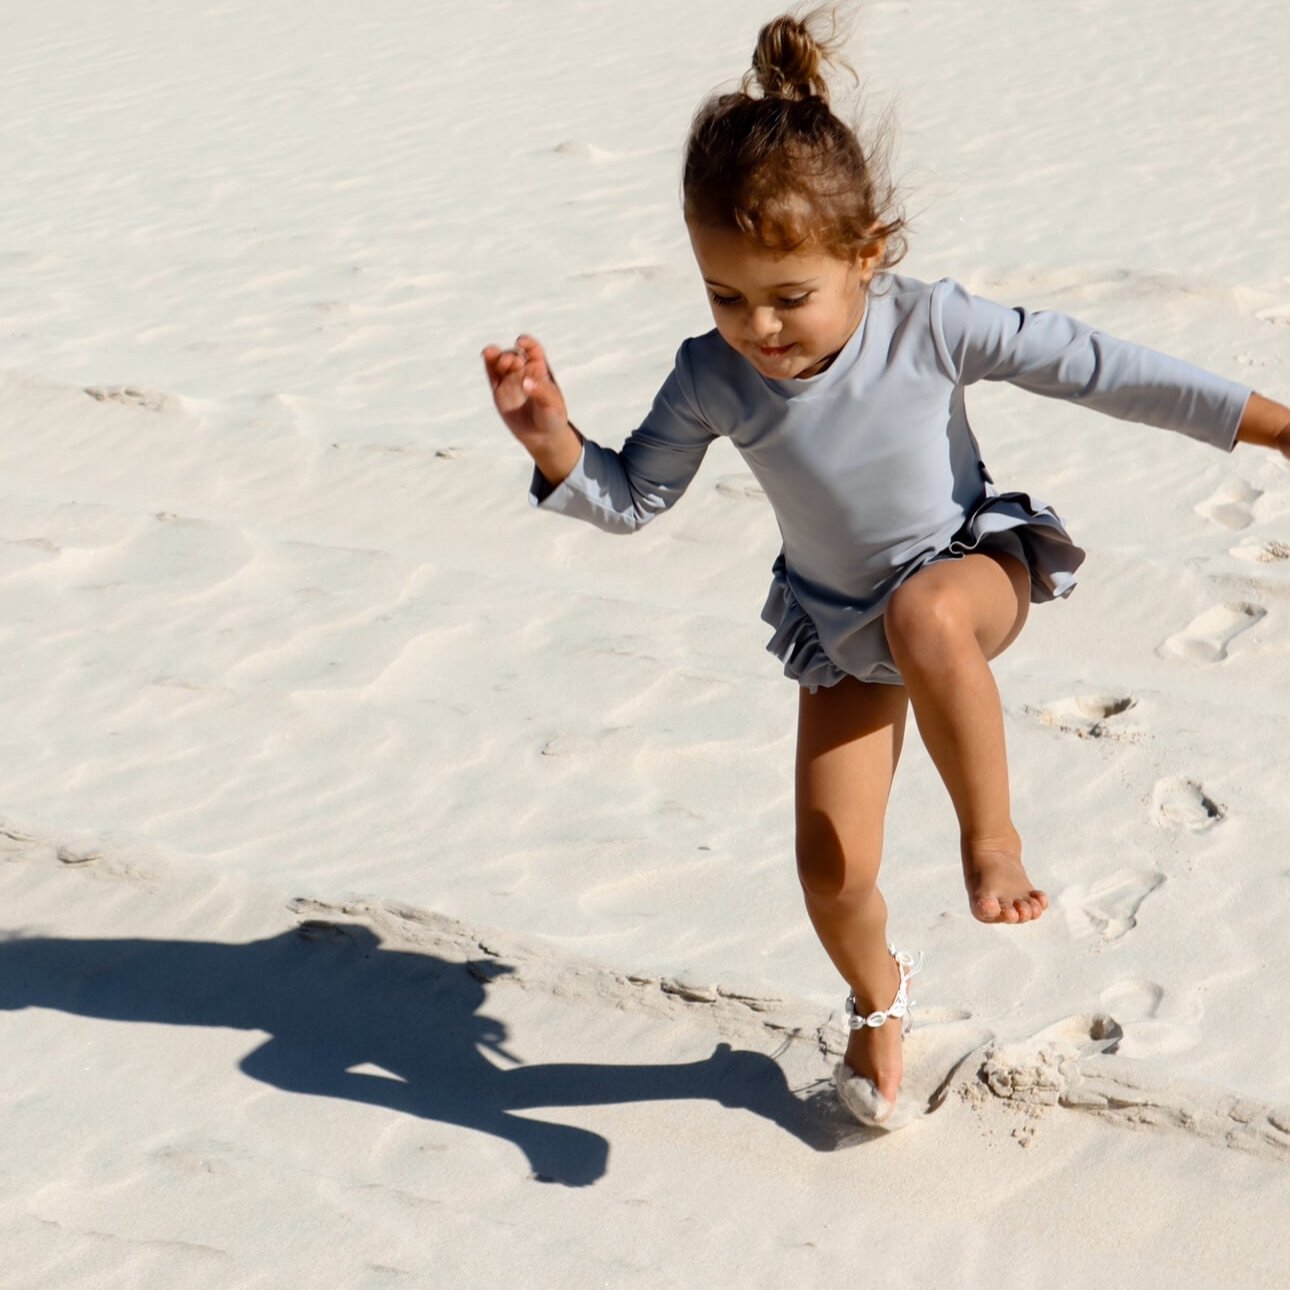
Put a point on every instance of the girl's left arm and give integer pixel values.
(1266, 424)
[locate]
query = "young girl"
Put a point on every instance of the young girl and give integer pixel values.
(903, 569)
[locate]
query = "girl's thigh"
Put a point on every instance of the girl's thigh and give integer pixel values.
(988, 593)
(848, 743)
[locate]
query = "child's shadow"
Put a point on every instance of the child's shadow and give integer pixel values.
(331, 998)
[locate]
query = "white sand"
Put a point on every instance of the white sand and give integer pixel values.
(284, 648)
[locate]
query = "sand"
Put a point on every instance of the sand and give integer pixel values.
(396, 884)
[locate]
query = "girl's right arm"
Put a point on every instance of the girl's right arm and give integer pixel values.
(618, 492)
(530, 403)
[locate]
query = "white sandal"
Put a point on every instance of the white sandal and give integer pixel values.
(859, 1095)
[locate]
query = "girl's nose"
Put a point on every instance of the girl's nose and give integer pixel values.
(763, 323)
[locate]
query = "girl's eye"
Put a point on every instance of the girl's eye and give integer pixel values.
(784, 302)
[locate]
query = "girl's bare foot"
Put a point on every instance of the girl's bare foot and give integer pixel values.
(998, 887)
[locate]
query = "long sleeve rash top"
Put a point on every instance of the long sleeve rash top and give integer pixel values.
(871, 467)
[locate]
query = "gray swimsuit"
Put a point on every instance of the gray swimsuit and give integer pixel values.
(871, 467)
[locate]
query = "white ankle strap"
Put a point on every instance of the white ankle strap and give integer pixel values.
(901, 1005)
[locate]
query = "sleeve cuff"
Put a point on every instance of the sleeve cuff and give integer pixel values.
(1240, 403)
(556, 497)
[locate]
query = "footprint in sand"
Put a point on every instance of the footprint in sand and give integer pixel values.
(87, 855)
(587, 151)
(1178, 803)
(324, 930)
(1269, 552)
(107, 864)
(1079, 1064)
(1251, 360)
(1206, 638)
(1108, 908)
(1132, 1000)
(78, 855)
(1135, 1006)
(584, 745)
(129, 396)
(1231, 505)
(741, 488)
(16, 843)
(1088, 716)
(1033, 1071)
(1278, 315)
(614, 279)
(623, 272)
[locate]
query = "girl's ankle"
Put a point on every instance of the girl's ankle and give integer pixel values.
(1006, 841)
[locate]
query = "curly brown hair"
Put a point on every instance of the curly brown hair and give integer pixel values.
(772, 161)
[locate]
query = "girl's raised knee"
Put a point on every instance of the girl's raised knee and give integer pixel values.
(919, 616)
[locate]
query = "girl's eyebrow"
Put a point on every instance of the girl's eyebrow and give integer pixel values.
(777, 286)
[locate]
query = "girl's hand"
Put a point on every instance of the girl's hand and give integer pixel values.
(530, 403)
(525, 392)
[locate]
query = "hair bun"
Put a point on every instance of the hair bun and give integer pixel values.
(788, 60)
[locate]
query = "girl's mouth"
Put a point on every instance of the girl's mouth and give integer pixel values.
(774, 351)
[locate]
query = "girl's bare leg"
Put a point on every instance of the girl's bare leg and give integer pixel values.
(848, 743)
(943, 625)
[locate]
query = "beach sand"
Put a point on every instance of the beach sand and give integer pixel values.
(396, 884)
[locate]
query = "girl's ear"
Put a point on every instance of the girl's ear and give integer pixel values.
(869, 257)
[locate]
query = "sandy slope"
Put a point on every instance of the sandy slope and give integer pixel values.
(278, 626)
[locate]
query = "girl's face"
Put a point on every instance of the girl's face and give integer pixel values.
(788, 315)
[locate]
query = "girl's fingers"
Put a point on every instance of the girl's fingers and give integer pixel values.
(492, 356)
(542, 390)
(501, 364)
(534, 355)
(521, 375)
(526, 350)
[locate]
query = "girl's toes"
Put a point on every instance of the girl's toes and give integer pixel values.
(988, 909)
